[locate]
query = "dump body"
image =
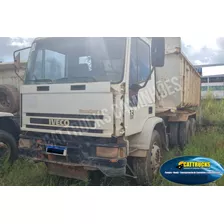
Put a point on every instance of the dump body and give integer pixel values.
(8, 76)
(178, 84)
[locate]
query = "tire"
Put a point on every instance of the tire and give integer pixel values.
(193, 126)
(173, 135)
(8, 140)
(9, 99)
(184, 134)
(147, 168)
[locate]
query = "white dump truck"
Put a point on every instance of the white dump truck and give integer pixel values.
(108, 104)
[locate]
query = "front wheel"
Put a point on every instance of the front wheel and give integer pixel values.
(8, 147)
(147, 168)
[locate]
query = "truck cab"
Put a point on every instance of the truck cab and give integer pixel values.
(89, 104)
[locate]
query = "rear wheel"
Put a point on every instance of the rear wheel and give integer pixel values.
(193, 126)
(184, 133)
(8, 148)
(173, 136)
(147, 168)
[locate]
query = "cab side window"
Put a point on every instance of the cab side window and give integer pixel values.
(133, 77)
(143, 52)
(139, 67)
(139, 61)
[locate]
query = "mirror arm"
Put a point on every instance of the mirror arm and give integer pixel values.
(18, 75)
(22, 49)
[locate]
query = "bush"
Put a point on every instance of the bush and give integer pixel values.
(212, 111)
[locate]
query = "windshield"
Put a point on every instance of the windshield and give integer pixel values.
(70, 60)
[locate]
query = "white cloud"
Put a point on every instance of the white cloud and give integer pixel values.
(20, 41)
(197, 42)
(198, 62)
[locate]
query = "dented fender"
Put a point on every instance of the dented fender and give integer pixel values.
(141, 141)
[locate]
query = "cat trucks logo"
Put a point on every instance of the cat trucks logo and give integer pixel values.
(183, 164)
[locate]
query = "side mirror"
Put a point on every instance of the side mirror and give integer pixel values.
(158, 51)
(17, 61)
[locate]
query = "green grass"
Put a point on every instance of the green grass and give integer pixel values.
(26, 173)
(212, 111)
(208, 142)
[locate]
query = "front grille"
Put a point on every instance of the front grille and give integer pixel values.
(64, 122)
(78, 116)
(65, 129)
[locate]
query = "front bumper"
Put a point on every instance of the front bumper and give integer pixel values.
(80, 153)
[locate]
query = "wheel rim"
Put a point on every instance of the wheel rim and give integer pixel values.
(155, 158)
(4, 151)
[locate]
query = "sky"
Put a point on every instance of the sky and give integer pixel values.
(199, 50)
(198, 42)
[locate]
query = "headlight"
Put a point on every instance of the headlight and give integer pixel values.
(111, 153)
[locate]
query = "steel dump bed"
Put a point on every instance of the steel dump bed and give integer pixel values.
(178, 84)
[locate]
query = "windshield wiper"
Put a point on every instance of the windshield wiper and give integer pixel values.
(40, 80)
(75, 77)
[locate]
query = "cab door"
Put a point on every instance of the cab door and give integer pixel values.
(140, 94)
